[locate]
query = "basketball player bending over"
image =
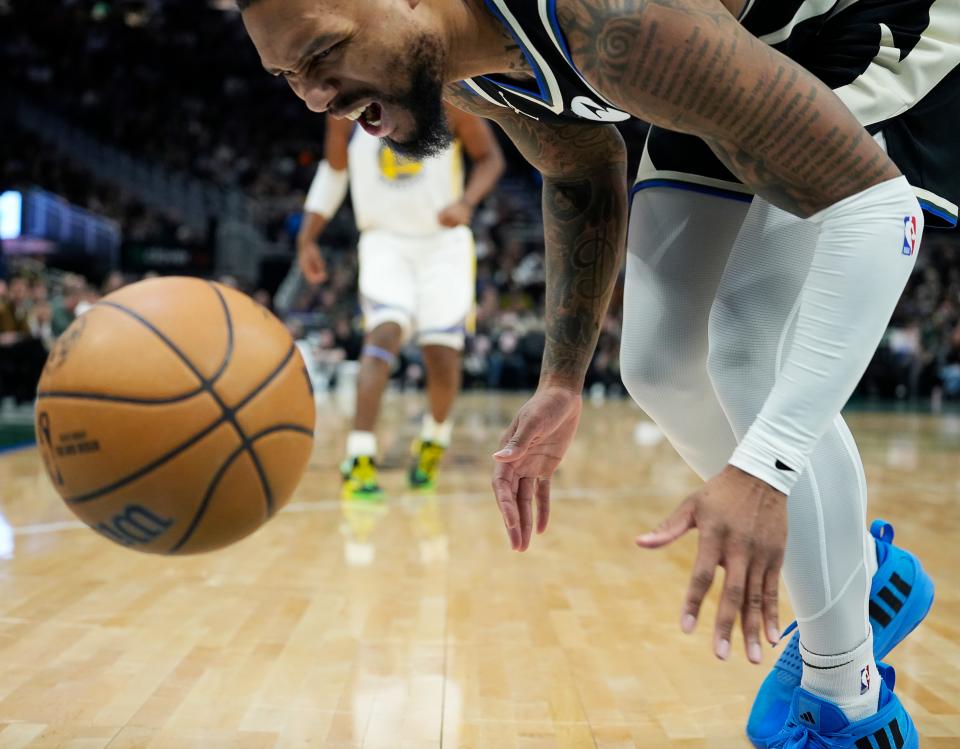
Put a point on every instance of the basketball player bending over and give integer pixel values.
(416, 272)
(771, 239)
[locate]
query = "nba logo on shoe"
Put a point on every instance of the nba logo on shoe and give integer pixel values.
(865, 673)
(909, 234)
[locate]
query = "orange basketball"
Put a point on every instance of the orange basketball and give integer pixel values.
(175, 416)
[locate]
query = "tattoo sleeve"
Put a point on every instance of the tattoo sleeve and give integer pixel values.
(688, 65)
(584, 215)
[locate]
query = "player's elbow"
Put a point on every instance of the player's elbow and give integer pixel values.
(586, 152)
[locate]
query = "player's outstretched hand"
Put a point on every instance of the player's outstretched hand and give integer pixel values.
(530, 450)
(312, 264)
(743, 528)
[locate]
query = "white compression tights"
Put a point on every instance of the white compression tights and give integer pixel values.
(712, 288)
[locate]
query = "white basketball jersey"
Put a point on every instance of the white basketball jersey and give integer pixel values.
(395, 194)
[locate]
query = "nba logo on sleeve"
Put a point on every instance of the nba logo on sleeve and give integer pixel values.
(909, 234)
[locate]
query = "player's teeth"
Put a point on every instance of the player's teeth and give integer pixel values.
(355, 115)
(374, 124)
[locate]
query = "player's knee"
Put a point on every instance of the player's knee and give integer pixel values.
(736, 351)
(387, 336)
(649, 374)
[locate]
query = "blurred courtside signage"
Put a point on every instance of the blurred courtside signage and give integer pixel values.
(11, 214)
(37, 222)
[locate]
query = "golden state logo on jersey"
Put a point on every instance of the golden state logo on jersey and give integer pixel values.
(397, 168)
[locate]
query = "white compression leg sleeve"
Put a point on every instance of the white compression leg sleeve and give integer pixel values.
(677, 248)
(752, 324)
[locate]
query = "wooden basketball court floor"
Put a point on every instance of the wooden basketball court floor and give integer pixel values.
(412, 626)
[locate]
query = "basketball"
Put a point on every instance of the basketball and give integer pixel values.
(175, 416)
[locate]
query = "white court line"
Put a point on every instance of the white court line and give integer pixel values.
(41, 528)
(333, 505)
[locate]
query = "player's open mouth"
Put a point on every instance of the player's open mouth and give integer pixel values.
(371, 118)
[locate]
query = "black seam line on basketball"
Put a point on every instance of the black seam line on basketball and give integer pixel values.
(882, 617)
(159, 334)
(72, 395)
(226, 314)
(886, 595)
(261, 473)
(215, 481)
(231, 417)
(230, 414)
(900, 584)
(268, 379)
(140, 472)
(826, 668)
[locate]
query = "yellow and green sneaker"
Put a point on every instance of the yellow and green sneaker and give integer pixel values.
(426, 463)
(360, 479)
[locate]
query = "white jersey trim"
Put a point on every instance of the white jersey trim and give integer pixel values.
(555, 104)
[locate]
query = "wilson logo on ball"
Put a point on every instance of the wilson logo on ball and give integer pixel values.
(136, 525)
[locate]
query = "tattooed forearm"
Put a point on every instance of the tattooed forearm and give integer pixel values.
(584, 230)
(688, 65)
(584, 215)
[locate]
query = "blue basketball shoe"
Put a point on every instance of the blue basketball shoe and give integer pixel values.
(815, 723)
(900, 597)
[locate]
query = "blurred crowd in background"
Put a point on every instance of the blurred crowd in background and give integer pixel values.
(178, 86)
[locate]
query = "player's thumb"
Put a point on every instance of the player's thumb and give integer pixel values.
(679, 522)
(518, 444)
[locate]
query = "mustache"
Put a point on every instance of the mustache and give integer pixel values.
(350, 102)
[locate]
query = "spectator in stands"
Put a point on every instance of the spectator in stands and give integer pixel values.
(65, 309)
(15, 310)
(116, 280)
(21, 355)
(41, 324)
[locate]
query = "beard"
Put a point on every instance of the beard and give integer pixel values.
(423, 101)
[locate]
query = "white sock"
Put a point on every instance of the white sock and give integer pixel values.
(361, 443)
(438, 434)
(849, 680)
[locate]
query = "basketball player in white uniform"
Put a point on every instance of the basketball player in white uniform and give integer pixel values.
(416, 272)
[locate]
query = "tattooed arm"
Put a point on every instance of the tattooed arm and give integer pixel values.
(688, 65)
(584, 214)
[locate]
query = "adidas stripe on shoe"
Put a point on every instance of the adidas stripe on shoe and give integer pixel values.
(901, 595)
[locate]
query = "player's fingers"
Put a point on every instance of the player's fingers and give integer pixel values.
(771, 604)
(508, 433)
(731, 602)
(527, 429)
(504, 491)
(525, 490)
(543, 504)
(704, 568)
(679, 522)
(751, 615)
